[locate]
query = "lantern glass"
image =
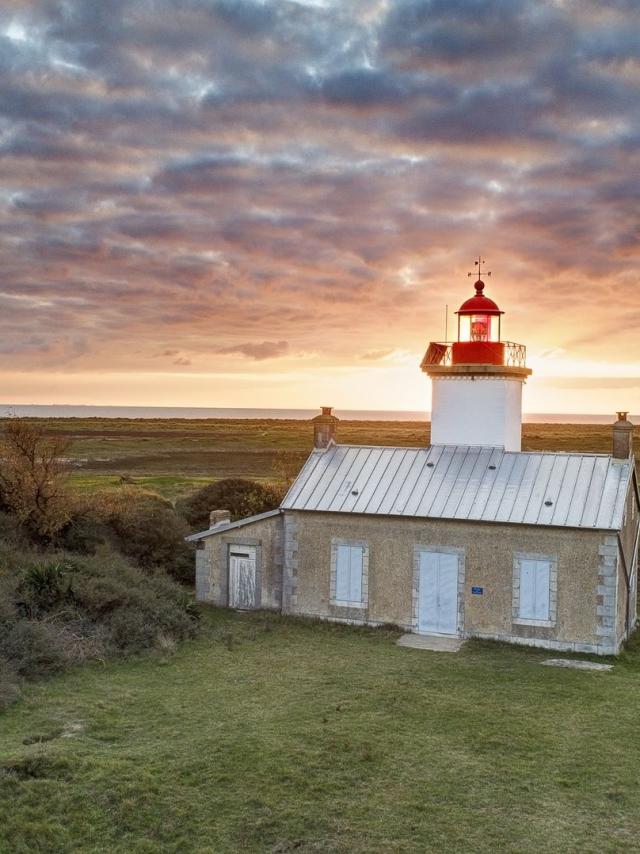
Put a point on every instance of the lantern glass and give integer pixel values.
(478, 327)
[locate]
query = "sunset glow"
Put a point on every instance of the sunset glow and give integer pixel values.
(269, 204)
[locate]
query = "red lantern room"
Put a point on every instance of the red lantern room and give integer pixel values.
(467, 409)
(478, 331)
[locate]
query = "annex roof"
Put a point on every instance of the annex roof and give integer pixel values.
(462, 482)
(229, 526)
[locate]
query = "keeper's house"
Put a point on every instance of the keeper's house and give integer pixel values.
(468, 537)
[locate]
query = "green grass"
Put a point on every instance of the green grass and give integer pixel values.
(170, 486)
(269, 734)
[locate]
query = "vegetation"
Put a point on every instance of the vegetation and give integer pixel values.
(81, 579)
(174, 456)
(268, 734)
(265, 733)
(240, 497)
(33, 477)
(145, 527)
(57, 610)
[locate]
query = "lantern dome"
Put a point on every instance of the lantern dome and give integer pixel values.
(479, 304)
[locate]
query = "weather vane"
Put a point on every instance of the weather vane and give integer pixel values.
(479, 264)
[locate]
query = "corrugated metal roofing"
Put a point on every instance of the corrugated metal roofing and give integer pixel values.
(461, 482)
(228, 526)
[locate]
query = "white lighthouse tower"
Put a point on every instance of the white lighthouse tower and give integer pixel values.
(477, 380)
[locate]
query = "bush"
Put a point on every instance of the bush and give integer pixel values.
(10, 530)
(144, 526)
(84, 532)
(62, 610)
(34, 649)
(130, 629)
(153, 536)
(239, 496)
(9, 690)
(45, 586)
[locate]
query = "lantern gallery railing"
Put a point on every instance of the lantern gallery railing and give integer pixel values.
(497, 353)
(515, 355)
(437, 354)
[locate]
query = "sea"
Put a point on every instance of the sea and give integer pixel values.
(85, 411)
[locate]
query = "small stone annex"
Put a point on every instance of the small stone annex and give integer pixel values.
(468, 537)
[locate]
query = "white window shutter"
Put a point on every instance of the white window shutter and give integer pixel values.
(542, 590)
(535, 576)
(342, 573)
(355, 591)
(527, 588)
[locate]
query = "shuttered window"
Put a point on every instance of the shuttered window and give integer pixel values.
(535, 577)
(349, 562)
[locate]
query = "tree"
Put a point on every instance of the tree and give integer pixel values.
(33, 478)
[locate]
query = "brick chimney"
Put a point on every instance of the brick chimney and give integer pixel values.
(324, 428)
(219, 517)
(622, 437)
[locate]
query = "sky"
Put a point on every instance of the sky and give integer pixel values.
(270, 204)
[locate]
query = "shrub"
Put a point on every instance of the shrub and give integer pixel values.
(239, 496)
(129, 629)
(8, 611)
(45, 586)
(152, 535)
(60, 610)
(9, 690)
(144, 527)
(10, 530)
(33, 648)
(83, 532)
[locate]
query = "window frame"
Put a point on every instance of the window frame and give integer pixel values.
(552, 561)
(336, 544)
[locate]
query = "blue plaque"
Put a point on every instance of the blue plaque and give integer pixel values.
(477, 591)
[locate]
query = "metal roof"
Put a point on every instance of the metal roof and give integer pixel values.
(228, 526)
(462, 482)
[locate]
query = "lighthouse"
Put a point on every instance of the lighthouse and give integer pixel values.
(477, 380)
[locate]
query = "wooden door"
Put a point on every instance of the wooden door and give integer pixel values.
(242, 577)
(438, 593)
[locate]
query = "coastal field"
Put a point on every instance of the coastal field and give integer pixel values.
(175, 456)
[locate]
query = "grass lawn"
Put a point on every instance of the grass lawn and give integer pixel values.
(270, 734)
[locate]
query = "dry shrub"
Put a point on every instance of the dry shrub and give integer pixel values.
(33, 478)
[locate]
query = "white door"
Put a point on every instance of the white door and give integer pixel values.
(242, 577)
(438, 593)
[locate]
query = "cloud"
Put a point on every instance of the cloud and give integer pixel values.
(374, 355)
(259, 352)
(176, 178)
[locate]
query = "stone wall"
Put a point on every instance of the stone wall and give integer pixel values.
(294, 553)
(582, 561)
(212, 562)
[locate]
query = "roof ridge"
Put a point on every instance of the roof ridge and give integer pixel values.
(227, 526)
(471, 448)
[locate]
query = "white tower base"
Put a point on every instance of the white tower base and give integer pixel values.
(478, 409)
